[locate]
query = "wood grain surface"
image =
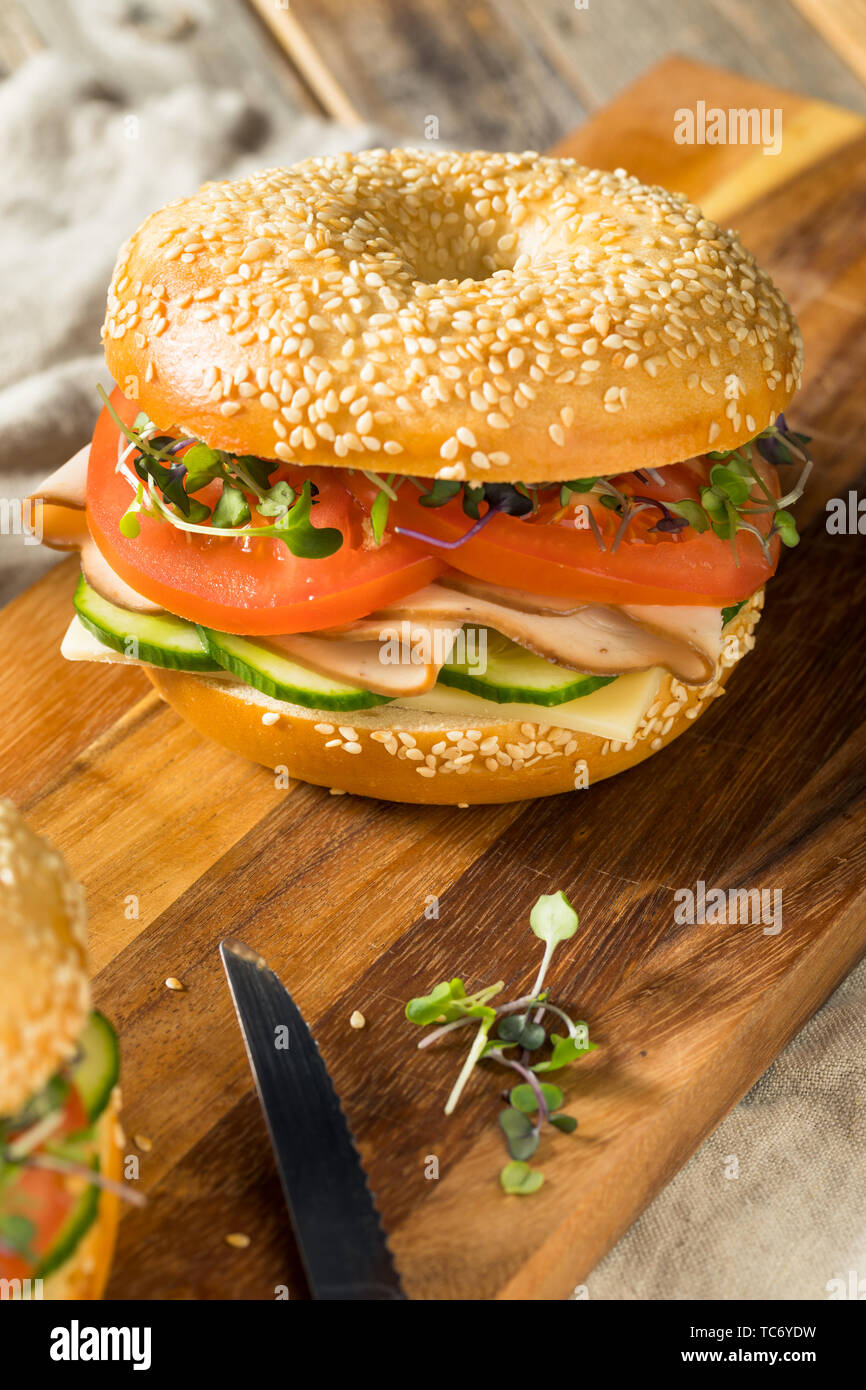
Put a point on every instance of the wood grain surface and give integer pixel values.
(179, 843)
(520, 74)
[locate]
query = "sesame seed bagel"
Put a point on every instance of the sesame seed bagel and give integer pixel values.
(407, 755)
(44, 988)
(497, 317)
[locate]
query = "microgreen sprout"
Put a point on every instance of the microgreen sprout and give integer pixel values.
(165, 482)
(381, 504)
(511, 499)
(517, 1024)
(735, 495)
(733, 500)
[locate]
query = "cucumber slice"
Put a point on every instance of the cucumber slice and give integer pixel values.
(95, 1074)
(160, 639)
(280, 677)
(728, 614)
(514, 676)
(77, 1223)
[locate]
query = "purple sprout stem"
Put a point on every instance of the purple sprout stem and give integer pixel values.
(595, 531)
(630, 514)
(560, 1013)
(448, 545)
(530, 1078)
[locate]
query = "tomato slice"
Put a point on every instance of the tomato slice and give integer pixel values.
(250, 586)
(42, 1197)
(548, 554)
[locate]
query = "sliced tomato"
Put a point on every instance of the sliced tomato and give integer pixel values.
(251, 586)
(12, 1266)
(549, 554)
(41, 1196)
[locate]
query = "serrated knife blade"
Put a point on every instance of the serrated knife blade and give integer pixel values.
(334, 1216)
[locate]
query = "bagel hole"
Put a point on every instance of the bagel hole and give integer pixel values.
(472, 266)
(463, 258)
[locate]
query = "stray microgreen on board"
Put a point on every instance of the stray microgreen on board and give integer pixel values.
(532, 1103)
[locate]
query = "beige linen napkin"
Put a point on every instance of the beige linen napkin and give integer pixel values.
(792, 1224)
(84, 161)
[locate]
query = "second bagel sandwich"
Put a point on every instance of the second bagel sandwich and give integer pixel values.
(432, 476)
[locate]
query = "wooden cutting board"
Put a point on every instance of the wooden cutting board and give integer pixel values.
(179, 843)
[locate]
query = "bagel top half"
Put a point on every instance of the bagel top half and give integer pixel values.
(458, 315)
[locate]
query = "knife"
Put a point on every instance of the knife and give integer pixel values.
(334, 1216)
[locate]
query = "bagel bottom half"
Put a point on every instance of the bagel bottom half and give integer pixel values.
(411, 755)
(85, 1274)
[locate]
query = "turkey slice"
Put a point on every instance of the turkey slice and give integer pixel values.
(392, 664)
(64, 527)
(594, 637)
(101, 577)
(67, 485)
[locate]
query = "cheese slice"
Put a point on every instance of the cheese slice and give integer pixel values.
(80, 645)
(614, 711)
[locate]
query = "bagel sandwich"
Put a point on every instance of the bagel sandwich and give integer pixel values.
(60, 1160)
(433, 476)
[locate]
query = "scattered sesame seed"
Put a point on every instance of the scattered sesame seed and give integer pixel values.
(174, 983)
(357, 1019)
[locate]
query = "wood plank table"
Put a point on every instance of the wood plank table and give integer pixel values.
(179, 843)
